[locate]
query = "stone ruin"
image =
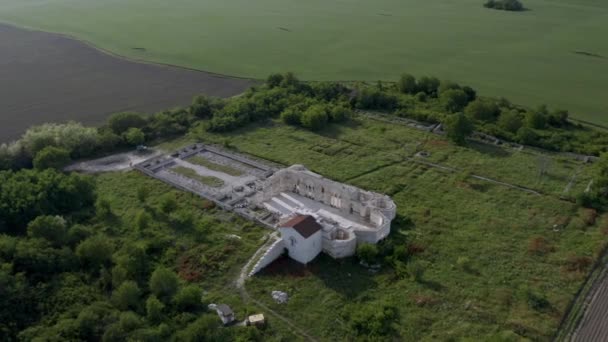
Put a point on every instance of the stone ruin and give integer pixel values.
(267, 194)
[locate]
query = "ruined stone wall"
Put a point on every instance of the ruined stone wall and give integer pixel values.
(374, 208)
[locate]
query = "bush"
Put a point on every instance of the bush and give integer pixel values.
(367, 253)
(483, 110)
(453, 100)
(134, 137)
(121, 122)
(126, 296)
(50, 228)
(315, 117)
(458, 128)
(51, 157)
(154, 309)
(188, 298)
(407, 84)
(527, 136)
(95, 252)
(291, 116)
(163, 283)
(374, 321)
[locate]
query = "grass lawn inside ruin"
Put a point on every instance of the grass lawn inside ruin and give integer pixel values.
(448, 216)
(207, 180)
(198, 160)
(554, 53)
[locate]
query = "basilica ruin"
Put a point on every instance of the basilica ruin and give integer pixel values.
(312, 213)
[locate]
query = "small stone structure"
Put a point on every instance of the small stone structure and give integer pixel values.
(312, 213)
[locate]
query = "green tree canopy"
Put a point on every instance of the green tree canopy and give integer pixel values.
(126, 296)
(315, 117)
(121, 122)
(163, 283)
(458, 128)
(51, 157)
(50, 228)
(134, 136)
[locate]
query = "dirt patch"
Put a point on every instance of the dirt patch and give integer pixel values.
(51, 78)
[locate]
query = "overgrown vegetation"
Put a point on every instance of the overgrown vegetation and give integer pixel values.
(100, 273)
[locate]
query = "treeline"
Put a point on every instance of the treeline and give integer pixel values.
(506, 5)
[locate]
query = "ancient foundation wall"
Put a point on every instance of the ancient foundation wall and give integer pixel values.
(340, 248)
(272, 253)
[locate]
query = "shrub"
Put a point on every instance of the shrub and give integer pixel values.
(367, 253)
(126, 296)
(163, 283)
(458, 128)
(50, 228)
(188, 298)
(507, 5)
(464, 263)
(291, 116)
(407, 84)
(315, 117)
(453, 100)
(121, 122)
(483, 110)
(51, 157)
(375, 321)
(134, 136)
(154, 309)
(416, 270)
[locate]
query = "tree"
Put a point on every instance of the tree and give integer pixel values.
(483, 110)
(315, 117)
(340, 113)
(188, 298)
(154, 310)
(51, 157)
(510, 120)
(50, 228)
(203, 107)
(527, 136)
(291, 116)
(134, 136)
(428, 85)
(407, 84)
(274, 80)
(126, 296)
(536, 119)
(453, 100)
(458, 128)
(121, 122)
(163, 283)
(95, 252)
(367, 253)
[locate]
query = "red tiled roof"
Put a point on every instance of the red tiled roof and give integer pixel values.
(305, 225)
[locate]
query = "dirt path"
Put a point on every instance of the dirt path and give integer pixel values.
(240, 285)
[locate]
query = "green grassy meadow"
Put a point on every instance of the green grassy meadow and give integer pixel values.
(448, 216)
(528, 57)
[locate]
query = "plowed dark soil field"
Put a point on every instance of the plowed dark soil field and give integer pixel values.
(46, 77)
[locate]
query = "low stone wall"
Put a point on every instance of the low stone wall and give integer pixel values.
(272, 253)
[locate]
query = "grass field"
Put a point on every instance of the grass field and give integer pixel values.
(190, 173)
(452, 217)
(529, 57)
(198, 160)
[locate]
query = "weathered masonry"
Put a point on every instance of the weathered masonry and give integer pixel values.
(313, 214)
